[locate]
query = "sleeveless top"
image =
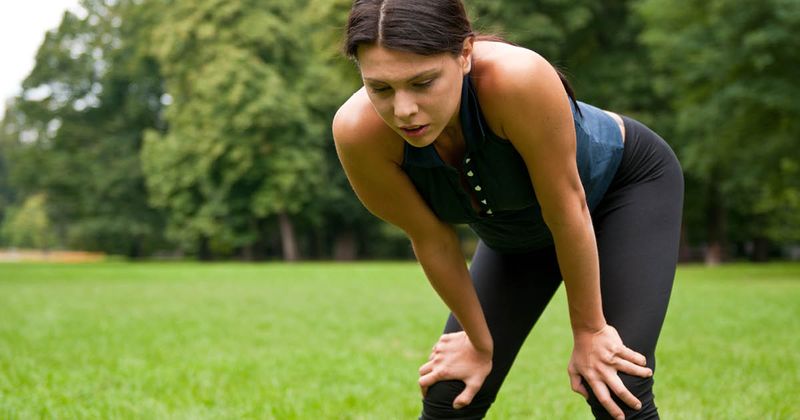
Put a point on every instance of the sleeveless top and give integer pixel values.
(510, 218)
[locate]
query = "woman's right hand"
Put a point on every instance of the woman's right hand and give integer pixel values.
(455, 358)
(597, 358)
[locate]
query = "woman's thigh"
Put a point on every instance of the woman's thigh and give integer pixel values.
(513, 290)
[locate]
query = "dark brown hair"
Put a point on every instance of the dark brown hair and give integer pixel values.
(425, 27)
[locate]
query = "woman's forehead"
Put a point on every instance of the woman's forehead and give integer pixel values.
(379, 63)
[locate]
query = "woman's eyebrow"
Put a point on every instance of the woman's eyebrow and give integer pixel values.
(431, 72)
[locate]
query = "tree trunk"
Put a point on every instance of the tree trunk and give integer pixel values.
(288, 240)
(715, 221)
(203, 249)
(761, 249)
(684, 250)
(247, 253)
(345, 247)
(320, 245)
(135, 249)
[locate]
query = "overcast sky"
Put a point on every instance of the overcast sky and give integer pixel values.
(23, 24)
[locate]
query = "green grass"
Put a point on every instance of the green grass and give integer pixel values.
(316, 340)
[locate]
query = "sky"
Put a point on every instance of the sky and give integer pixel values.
(23, 24)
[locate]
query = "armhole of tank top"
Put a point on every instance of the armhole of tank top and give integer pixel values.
(490, 134)
(404, 161)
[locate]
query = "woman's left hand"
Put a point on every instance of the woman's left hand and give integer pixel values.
(597, 357)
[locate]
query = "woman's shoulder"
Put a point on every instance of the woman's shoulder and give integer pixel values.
(357, 125)
(501, 66)
(503, 72)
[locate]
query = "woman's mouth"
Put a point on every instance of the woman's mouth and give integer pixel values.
(415, 130)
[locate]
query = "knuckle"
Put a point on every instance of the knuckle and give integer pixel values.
(622, 393)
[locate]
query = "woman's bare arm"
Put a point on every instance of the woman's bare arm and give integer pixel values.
(538, 121)
(386, 191)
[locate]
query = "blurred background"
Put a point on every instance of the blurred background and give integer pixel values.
(176, 129)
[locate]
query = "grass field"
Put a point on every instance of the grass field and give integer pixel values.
(344, 341)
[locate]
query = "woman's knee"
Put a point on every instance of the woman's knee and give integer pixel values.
(438, 402)
(641, 388)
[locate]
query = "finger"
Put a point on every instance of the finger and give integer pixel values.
(577, 386)
(429, 379)
(633, 356)
(601, 392)
(625, 366)
(426, 368)
(424, 391)
(465, 397)
(616, 385)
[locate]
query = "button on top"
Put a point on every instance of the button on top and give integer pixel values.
(473, 179)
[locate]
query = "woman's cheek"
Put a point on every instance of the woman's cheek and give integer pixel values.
(384, 110)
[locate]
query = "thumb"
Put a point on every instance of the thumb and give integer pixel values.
(465, 398)
(575, 380)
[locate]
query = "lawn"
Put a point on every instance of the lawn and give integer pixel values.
(344, 341)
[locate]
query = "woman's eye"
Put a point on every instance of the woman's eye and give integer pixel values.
(423, 84)
(379, 89)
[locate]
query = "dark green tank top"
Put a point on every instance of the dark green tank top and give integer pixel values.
(510, 219)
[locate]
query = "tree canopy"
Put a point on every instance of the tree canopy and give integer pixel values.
(203, 127)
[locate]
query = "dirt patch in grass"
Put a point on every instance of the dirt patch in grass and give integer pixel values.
(22, 255)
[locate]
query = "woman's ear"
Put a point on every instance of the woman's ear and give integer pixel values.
(466, 54)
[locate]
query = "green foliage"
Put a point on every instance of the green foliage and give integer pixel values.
(28, 226)
(729, 70)
(151, 124)
(75, 131)
(593, 42)
(248, 119)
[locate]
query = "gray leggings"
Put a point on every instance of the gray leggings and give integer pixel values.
(637, 225)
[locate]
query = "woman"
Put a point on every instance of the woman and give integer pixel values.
(452, 128)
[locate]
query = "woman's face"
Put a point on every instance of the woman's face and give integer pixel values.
(416, 95)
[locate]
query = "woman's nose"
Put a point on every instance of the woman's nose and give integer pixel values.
(404, 106)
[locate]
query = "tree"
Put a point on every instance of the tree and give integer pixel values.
(75, 131)
(242, 150)
(729, 70)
